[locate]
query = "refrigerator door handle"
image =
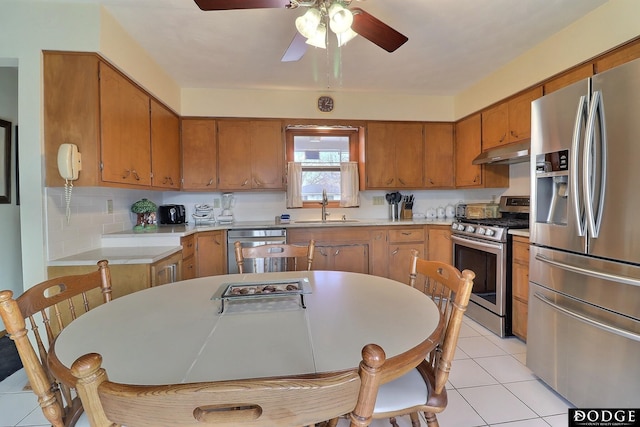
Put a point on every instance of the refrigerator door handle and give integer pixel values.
(574, 194)
(591, 179)
(609, 328)
(592, 273)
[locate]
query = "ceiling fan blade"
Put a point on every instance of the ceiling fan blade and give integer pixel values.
(376, 31)
(296, 49)
(242, 4)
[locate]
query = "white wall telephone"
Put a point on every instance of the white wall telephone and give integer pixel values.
(69, 161)
(69, 165)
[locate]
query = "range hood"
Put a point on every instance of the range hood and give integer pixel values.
(505, 155)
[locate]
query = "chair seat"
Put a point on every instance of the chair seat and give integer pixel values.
(405, 392)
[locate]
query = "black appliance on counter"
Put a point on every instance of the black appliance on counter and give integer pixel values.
(484, 246)
(171, 214)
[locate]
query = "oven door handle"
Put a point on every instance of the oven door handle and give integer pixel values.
(476, 243)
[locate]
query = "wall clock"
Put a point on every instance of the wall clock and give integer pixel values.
(325, 104)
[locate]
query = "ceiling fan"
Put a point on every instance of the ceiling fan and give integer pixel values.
(312, 26)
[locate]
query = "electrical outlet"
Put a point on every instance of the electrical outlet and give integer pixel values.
(109, 206)
(216, 203)
(378, 200)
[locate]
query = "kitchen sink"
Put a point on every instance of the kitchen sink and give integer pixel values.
(329, 221)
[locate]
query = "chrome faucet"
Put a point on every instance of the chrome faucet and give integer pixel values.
(324, 203)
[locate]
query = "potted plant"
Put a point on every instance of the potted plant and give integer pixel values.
(146, 211)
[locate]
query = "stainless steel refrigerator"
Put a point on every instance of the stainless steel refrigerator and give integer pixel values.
(583, 335)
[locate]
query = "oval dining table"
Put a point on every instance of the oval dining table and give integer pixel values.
(180, 332)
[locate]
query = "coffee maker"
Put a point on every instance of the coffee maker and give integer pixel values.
(226, 216)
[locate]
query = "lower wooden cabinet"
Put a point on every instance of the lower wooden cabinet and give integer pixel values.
(188, 256)
(520, 286)
(210, 253)
(127, 278)
(342, 257)
(440, 247)
(402, 242)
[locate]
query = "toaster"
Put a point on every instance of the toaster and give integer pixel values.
(171, 214)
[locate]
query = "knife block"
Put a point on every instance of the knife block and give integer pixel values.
(406, 213)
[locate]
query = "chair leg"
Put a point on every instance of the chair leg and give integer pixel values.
(415, 419)
(393, 422)
(432, 421)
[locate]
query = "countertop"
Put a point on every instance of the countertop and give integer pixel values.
(119, 255)
(147, 247)
(520, 232)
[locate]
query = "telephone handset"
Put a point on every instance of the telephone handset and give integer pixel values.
(69, 164)
(69, 161)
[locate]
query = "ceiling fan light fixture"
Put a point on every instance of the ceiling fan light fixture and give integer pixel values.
(340, 18)
(319, 39)
(308, 24)
(345, 37)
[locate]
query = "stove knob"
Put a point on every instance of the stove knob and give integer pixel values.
(480, 231)
(454, 226)
(470, 229)
(489, 232)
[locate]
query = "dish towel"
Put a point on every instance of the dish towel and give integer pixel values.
(349, 183)
(294, 185)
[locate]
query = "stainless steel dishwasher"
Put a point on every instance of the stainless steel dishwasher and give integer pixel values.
(254, 237)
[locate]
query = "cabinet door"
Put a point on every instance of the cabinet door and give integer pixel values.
(126, 133)
(575, 75)
(520, 286)
(210, 253)
(199, 154)
(267, 155)
(380, 156)
(468, 146)
(167, 270)
(379, 251)
(395, 155)
(400, 255)
(165, 147)
(352, 258)
(495, 126)
(440, 247)
(125, 130)
(619, 56)
(234, 154)
(439, 155)
(520, 114)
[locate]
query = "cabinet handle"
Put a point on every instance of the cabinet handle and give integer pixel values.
(401, 181)
(514, 134)
(503, 137)
(396, 251)
(322, 252)
(256, 182)
(407, 233)
(246, 181)
(135, 175)
(430, 181)
(389, 181)
(126, 174)
(210, 182)
(337, 252)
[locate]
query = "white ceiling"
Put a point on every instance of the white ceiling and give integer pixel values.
(452, 43)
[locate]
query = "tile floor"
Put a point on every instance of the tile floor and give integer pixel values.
(489, 385)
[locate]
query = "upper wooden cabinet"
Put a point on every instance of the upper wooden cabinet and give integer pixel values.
(509, 121)
(619, 56)
(71, 113)
(574, 75)
(250, 155)
(114, 123)
(165, 147)
(394, 155)
(125, 130)
(438, 161)
(199, 154)
(468, 144)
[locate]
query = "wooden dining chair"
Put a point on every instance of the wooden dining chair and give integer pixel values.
(52, 304)
(423, 388)
(274, 257)
(303, 400)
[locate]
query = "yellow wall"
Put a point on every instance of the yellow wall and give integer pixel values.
(612, 24)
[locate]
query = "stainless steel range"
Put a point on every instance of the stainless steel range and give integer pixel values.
(484, 246)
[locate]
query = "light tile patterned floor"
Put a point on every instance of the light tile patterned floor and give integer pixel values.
(489, 385)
